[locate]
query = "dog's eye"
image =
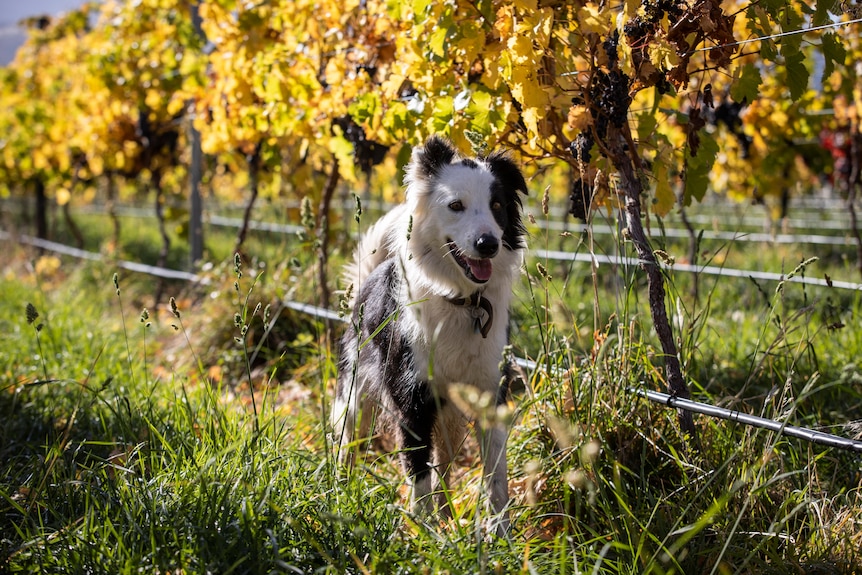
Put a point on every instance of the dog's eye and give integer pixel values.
(456, 206)
(496, 206)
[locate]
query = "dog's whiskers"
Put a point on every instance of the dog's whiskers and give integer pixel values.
(453, 249)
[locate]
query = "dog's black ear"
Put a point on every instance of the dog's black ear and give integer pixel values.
(507, 171)
(435, 154)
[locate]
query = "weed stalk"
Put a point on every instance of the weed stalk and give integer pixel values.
(32, 316)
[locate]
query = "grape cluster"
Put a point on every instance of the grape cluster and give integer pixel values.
(610, 46)
(581, 147)
(727, 113)
(637, 30)
(640, 29)
(654, 10)
(366, 153)
(580, 198)
(609, 99)
(582, 191)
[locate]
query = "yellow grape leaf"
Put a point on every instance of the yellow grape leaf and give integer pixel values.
(175, 106)
(536, 25)
(526, 5)
(521, 49)
(154, 99)
(662, 54)
(343, 150)
(495, 65)
(63, 196)
(438, 41)
(579, 118)
(90, 194)
(531, 117)
(471, 42)
(97, 165)
(40, 162)
(335, 69)
(664, 197)
(591, 19)
(526, 88)
(505, 22)
(630, 10)
(63, 160)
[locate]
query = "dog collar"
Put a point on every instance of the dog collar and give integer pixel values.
(477, 302)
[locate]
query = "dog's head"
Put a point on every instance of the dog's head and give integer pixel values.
(467, 226)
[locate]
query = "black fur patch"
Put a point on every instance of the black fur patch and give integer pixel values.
(434, 155)
(508, 182)
(390, 349)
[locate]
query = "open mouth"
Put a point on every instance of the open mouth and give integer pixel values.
(478, 271)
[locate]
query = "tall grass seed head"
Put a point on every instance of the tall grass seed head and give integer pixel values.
(546, 201)
(117, 283)
(32, 314)
(344, 301)
(237, 265)
(358, 213)
(306, 213)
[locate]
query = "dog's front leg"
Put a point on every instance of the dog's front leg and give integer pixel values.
(418, 414)
(496, 471)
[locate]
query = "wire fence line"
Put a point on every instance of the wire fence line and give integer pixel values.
(63, 249)
(757, 237)
(599, 259)
(781, 427)
(330, 315)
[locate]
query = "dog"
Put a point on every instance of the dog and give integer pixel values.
(435, 279)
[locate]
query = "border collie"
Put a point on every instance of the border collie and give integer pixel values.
(435, 278)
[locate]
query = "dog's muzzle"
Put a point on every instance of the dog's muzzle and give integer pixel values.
(477, 270)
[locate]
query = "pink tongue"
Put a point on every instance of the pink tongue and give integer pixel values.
(481, 269)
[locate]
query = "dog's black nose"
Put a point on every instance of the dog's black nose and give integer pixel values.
(487, 245)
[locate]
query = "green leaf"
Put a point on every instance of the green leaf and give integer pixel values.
(396, 117)
(791, 21)
(364, 108)
(484, 116)
(664, 197)
(833, 53)
(646, 126)
(697, 168)
(821, 12)
(420, 10)
(797, 75)
(403, 159)
(438, 41)
(772, 7)
(441, 117)
(747, 86)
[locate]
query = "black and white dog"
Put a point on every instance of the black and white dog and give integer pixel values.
(435, 278)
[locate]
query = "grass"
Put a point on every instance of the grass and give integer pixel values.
(193, 438)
